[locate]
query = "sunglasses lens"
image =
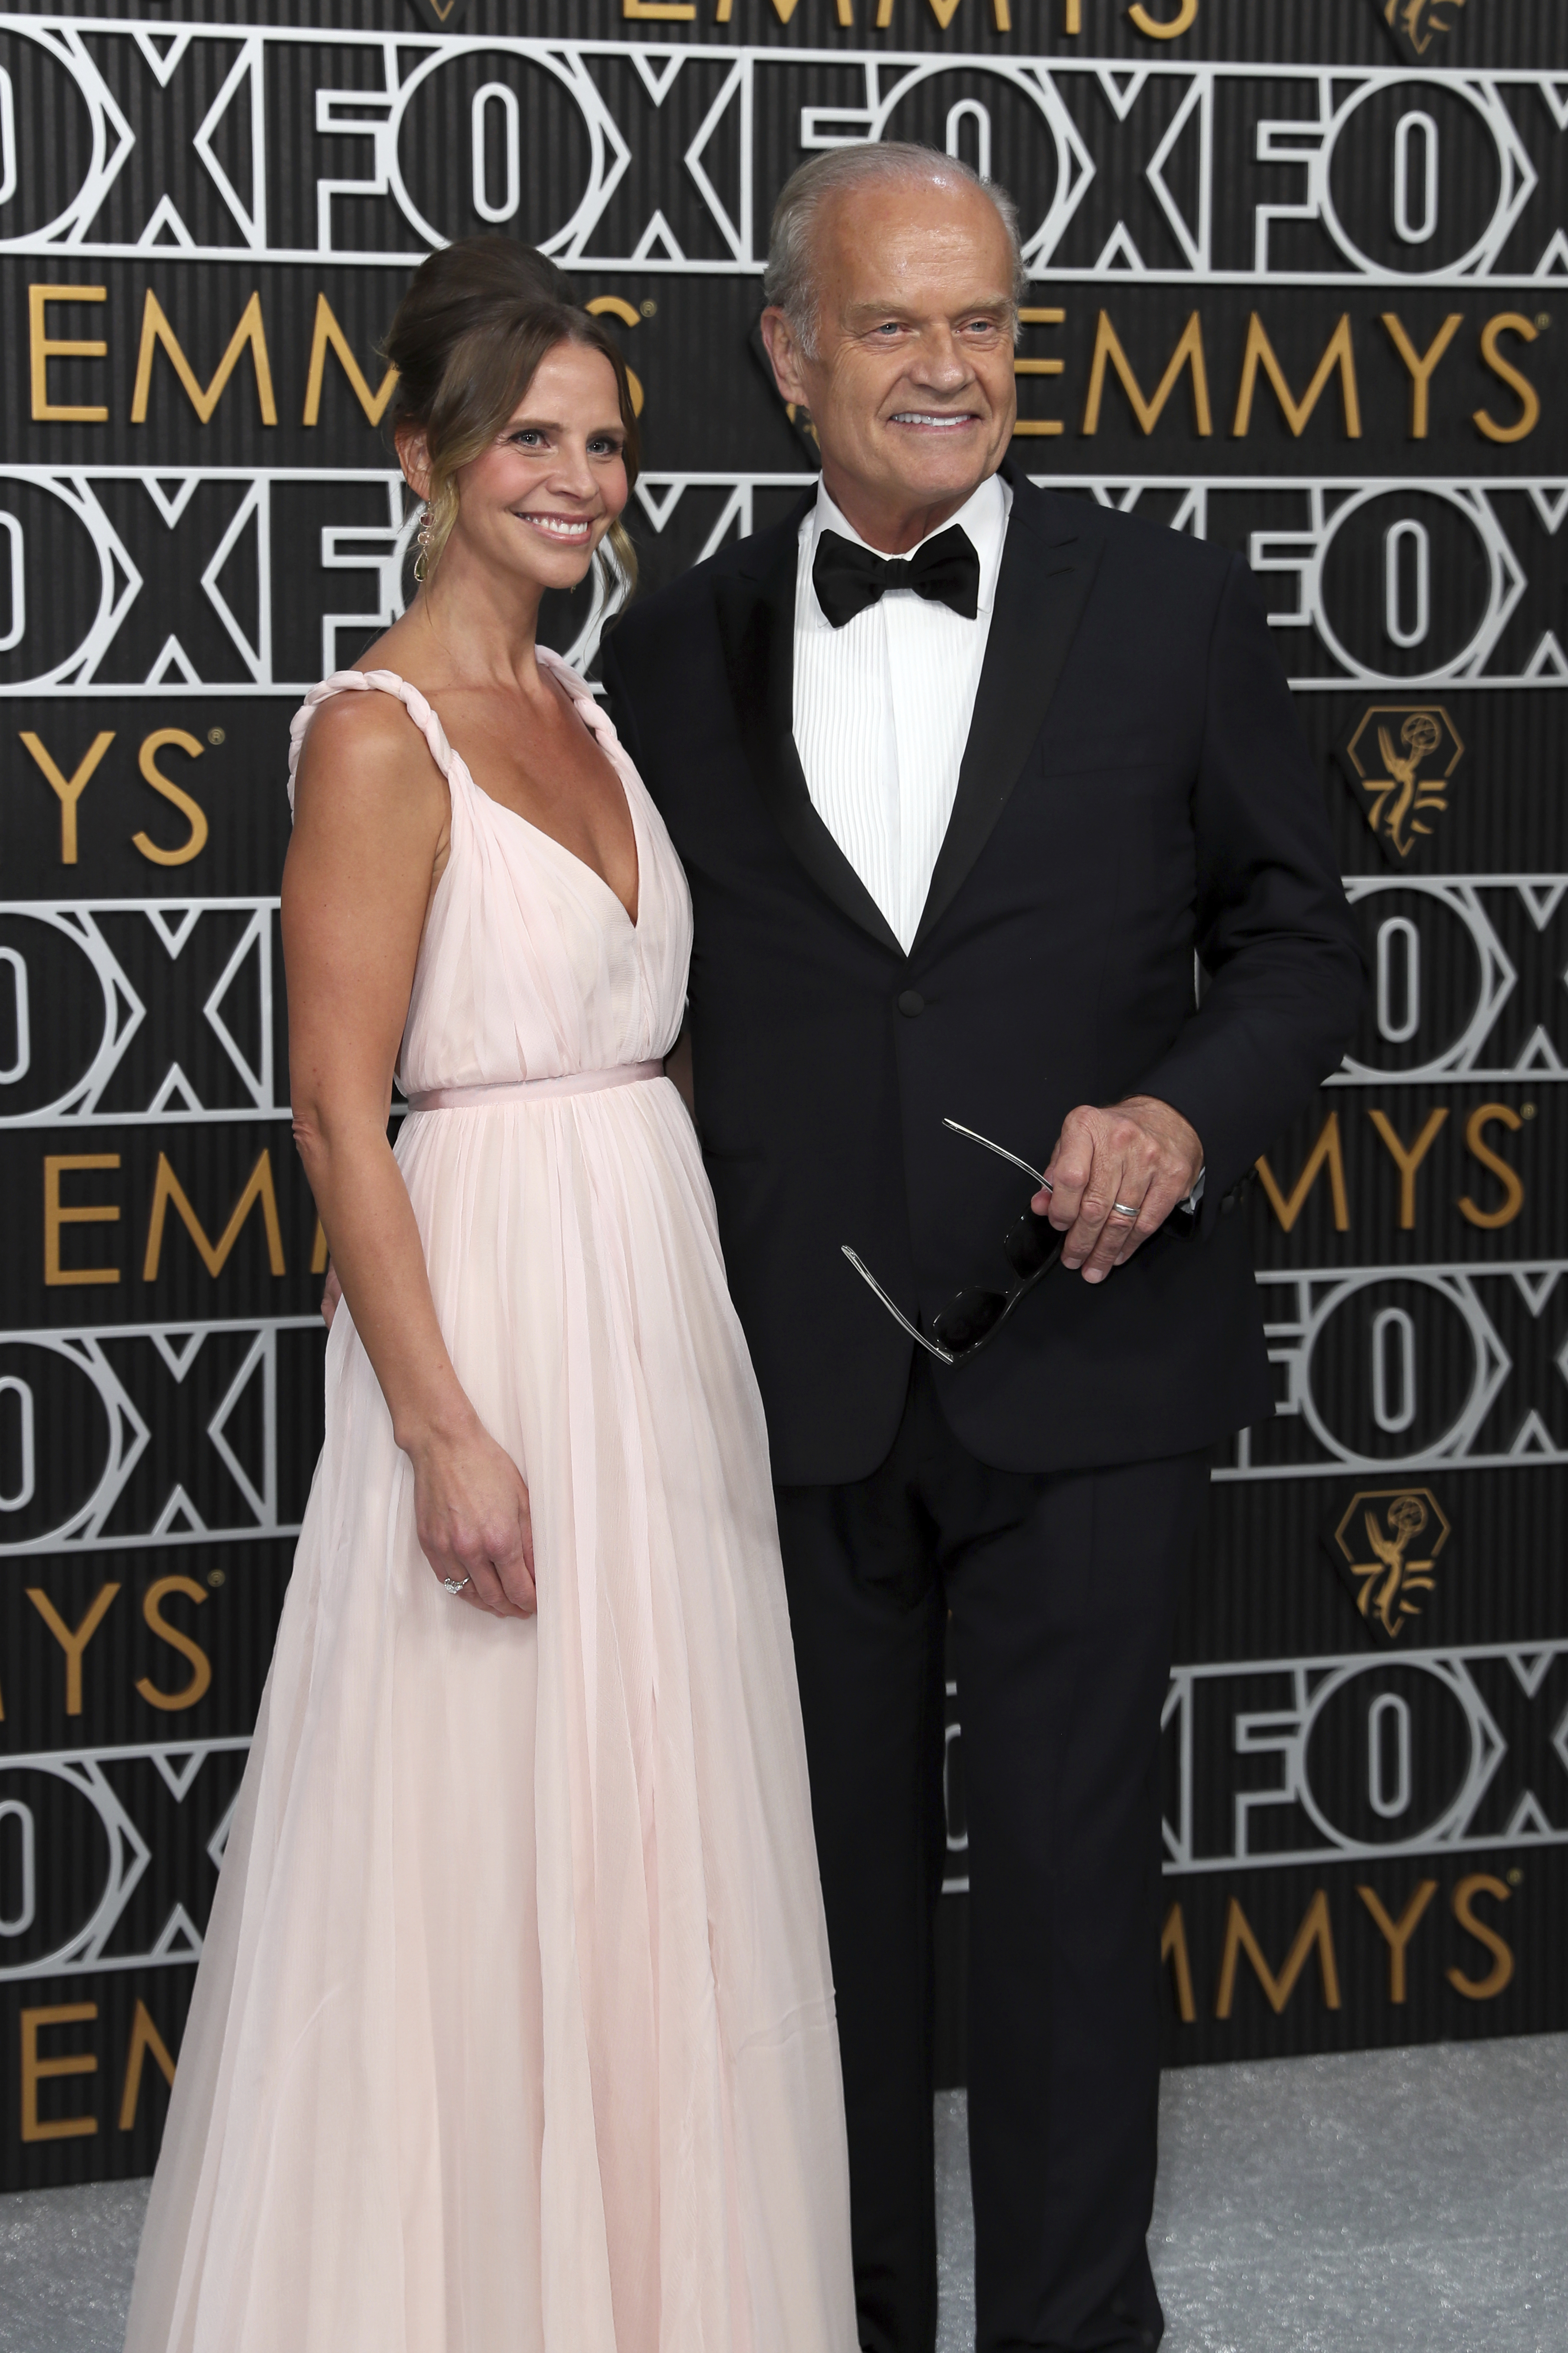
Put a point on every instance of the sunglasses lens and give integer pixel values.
(968, 1318)
(1031, 1245)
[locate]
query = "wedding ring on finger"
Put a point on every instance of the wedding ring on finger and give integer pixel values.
(454, 1584)
(1120, 1209)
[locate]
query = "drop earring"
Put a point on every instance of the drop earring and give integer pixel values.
(422, 561)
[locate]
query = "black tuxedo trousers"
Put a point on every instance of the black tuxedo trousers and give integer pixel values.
(1061, 1588)
(1136, 815)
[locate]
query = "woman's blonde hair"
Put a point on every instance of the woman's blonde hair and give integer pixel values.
(468, 340)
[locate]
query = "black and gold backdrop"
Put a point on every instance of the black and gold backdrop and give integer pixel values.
(1301, 286)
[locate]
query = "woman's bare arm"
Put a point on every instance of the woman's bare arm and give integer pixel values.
(370, 833)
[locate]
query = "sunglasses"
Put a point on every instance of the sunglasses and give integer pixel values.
(976, 1314)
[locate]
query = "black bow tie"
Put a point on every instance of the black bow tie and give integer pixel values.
(846, 577)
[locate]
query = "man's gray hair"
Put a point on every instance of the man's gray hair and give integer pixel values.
(789, 283)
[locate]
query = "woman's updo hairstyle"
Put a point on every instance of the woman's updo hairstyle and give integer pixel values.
(468, 340)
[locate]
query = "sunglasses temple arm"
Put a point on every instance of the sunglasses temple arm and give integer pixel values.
(864, 1271)
(975, 1138)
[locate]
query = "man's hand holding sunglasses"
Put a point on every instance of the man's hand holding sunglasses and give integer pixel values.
(1114, 1178)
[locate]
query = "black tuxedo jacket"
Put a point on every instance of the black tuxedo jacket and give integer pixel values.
(1135, 789)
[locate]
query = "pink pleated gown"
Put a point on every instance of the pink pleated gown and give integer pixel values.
(514, 2030)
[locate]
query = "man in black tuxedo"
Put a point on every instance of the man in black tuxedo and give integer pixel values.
(956, 828)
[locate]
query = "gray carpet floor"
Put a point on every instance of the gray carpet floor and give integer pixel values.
(1405, 2201)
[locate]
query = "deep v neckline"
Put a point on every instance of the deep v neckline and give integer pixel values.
(443, 749)
(633, 923)
(541, 833)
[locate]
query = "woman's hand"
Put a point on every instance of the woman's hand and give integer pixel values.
(470, 1509)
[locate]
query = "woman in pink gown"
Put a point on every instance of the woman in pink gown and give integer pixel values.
(513, 2032)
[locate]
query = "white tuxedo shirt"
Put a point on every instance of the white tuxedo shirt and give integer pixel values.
(882, 708)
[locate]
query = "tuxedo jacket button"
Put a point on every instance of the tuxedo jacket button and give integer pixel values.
(911, 1002)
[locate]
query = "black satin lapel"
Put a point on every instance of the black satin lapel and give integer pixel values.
(756, 628)
(1041, 591)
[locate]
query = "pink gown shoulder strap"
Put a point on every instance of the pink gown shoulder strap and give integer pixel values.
(365, 681)
(590, 710)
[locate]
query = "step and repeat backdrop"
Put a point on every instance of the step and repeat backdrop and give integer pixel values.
(1299, 285)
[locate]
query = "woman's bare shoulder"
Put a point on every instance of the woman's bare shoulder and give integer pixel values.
(366, 746)
(348, 719)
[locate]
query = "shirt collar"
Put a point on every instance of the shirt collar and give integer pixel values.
(983, 516)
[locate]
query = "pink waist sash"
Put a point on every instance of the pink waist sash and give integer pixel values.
(504, 1090)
